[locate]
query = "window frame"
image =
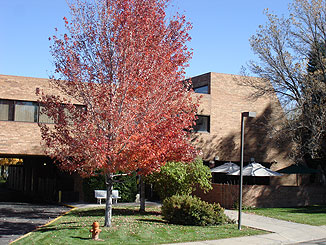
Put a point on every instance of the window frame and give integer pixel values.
(196, 129)
(27, 103)
(11, 109)
(38, 117)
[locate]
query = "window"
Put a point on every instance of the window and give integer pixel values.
(202, 90)
(43, 118)
(202, 124)
(26, 111)
(6, 110)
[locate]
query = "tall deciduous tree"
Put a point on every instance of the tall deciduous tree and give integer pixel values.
(291, 57)
(123, 61)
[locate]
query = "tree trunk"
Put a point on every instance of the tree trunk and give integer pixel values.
(2, 171)
(142, 194)
(108, 204)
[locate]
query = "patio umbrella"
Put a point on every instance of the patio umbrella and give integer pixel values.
(256, 169)
(225, 168)
(297, 169)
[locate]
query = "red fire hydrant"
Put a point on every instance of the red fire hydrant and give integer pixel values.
(95, 231)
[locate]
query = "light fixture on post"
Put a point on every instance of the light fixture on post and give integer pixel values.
(243, 115)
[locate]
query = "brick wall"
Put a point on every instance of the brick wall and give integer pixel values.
(224, 104)
(24, 88)
(265, 196)
(20, 138)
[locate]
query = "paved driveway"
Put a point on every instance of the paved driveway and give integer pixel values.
(17, 219)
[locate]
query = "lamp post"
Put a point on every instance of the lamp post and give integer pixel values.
(243, 115)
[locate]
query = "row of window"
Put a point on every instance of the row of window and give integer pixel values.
(27, 111)
(22, 111)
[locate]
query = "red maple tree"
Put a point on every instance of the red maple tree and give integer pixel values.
(123, 61)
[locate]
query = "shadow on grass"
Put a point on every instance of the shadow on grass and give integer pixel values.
(153, 221)
(67, 223)
(81, 238)
(89, 212)
(123, 211)
(47, 229)
(115, 211)
(309, 209)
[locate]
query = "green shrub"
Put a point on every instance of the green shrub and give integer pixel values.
(93, 183)
(127, 187)
(188, 210)
(180, 178)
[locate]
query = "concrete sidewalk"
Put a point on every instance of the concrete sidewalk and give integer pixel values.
(283, 232)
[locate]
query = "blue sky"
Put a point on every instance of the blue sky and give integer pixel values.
(220, 33)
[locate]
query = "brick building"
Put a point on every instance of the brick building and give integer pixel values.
(217, 131)
(20, 137)
(223, 100)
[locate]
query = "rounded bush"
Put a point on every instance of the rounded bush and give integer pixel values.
(188, 210)
(181, 178)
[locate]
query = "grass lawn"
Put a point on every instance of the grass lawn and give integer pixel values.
(129, 227)
(313, 215)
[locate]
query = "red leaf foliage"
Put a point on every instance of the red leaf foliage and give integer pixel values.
(124, 61)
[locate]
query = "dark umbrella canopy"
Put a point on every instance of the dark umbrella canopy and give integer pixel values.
(297, 169)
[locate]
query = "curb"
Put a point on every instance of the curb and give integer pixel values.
(50, 222)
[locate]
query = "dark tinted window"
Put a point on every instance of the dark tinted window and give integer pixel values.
(202, 90)
(202, 124)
